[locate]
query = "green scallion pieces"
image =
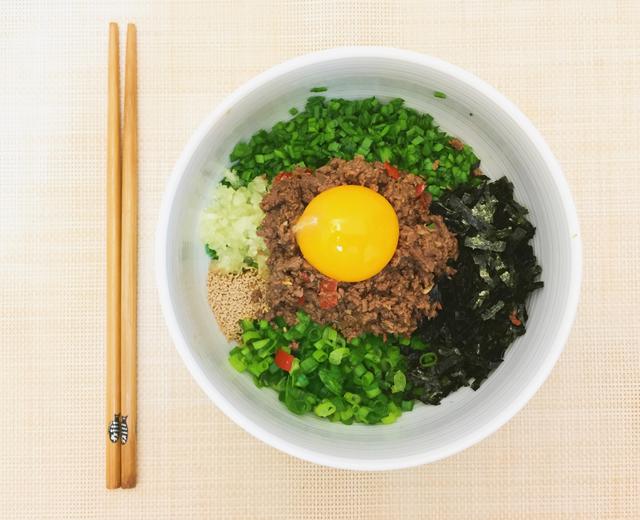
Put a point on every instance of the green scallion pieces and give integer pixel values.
(389, 132)
(428, 359)
(360, 380)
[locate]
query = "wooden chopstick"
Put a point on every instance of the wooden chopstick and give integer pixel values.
(114, 186)
(129, 264)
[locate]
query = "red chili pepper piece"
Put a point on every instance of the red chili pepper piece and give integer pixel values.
(328, 300)
(513, 318)
(328, 285)
(283, 360)
(281, 176)
(393, 172)
(420, 189)
(328, 293)
(301, 301)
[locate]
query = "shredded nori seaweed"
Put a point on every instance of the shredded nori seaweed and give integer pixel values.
(484, 302)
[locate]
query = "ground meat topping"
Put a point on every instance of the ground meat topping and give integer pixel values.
(391, 302)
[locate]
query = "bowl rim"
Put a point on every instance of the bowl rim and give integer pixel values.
(255, 429)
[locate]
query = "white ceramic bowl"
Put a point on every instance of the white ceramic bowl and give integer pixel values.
(507, 144)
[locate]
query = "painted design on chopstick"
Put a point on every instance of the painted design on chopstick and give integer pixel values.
(124, 430)
(114, 429)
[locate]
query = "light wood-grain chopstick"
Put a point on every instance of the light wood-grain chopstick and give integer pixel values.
(129, 264)
(114, 185)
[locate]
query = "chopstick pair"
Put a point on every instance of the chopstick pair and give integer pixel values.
(122, 239)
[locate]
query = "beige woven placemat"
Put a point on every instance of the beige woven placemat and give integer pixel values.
(573, 452)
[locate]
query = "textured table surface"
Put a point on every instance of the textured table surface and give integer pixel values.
(573, 452)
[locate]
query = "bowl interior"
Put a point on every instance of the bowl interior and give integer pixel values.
(506, 146)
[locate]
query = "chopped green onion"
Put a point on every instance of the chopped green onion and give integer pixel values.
(406, 406)
(352, 398)
(399, 382)
(237, 362)
(428, 359)
(330, 335)
(367, 378)
(261, 343)
(331, 381)
(259, 367)
(325, 408)
(309, 365)
(246, 325)
(360, 380)
(372, 391)
(320, 356)
(362, 413)
(335, 357)
(251, 335)
(263, 324)
(327, 128)
(211, 252)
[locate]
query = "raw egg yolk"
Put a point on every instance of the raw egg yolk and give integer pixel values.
(348, 233)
